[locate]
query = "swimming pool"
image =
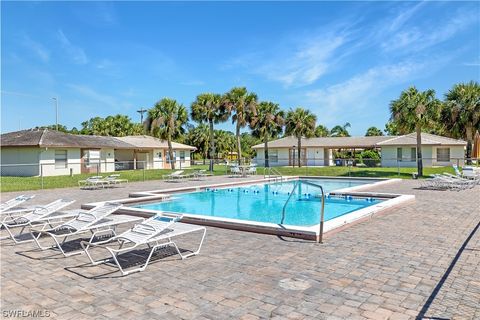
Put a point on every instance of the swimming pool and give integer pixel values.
(264, 202)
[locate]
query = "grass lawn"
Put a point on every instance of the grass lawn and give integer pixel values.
(35, 183)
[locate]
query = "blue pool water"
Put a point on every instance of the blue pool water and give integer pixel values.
(264, 202)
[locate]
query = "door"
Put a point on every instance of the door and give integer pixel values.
(293, 156)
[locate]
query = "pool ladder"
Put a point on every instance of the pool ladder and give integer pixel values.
(270, 172)
(322, 210)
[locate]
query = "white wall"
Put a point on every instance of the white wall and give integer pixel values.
(107, 157)
(20, 162)
(47, 160)
(315, 157)
(429, 155)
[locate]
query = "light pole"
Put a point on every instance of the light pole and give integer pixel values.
(141, 111)
(293, 163)
(56, 113)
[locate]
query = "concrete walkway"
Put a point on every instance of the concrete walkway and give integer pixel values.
(421, 260)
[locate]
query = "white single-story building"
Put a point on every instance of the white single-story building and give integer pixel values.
(47, 152)
(395, 150)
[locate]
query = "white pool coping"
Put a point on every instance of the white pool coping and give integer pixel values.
(307, 232)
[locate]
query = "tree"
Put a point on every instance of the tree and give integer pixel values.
(267, 122)
(242, 103)
(166, 120)
(53, 127)
(373, 131)
(300, 123)
(415, 110)
(248, 141)
(225, 142)
(321, 131)
(199, 137)
(391, 128)
(116, 126)
(208, 108)
(340, 131)
(461, 112)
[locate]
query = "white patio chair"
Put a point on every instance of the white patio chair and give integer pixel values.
(114, 179)
(97, 220)
(42, 215)
(156, 232)
(93, 182)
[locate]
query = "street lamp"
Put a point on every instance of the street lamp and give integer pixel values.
(141, 111)
(56, 112)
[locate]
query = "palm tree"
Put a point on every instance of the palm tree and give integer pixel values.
(321, 131)
(373, 131)
(461, 112)
(413, 111)
(166, 120)
(267, 122)
(300, 123)
(242, 103)
(199, 137)
(226, 142)
(208, 107)
(340, 131)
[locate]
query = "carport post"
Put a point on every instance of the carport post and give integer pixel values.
(41, 174)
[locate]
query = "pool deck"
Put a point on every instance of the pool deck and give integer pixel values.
(421, 260)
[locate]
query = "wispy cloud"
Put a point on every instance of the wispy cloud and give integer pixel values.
(77, 54)
(420, 36)
(37, 48)
(91, 94)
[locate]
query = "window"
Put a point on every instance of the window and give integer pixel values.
(273, 155)
(182, 156)
(413, 154)
(168, 156)
(443, 154)
(60, 159)
(399, 153)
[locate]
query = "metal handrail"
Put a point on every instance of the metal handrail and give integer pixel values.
(322, 211)
(267, 171)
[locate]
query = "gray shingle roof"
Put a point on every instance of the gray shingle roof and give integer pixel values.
(51, 138)
(427, 139)
(150, 142)
(362, 142)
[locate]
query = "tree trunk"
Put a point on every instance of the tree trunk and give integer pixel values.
(267, 162)
(299, 151)
(212, 146)
(239, 146)
(419, 150)
(469, 132)
(170, 151)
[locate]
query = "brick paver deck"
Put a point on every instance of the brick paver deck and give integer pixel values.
(420, 260)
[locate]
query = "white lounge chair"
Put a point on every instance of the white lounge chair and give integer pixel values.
(156, 232)
(98, 220)
(235, 171)
(15, 202)
(202, 173)
(114, 179)
(45, 215)
(176, 175)
(93, 182)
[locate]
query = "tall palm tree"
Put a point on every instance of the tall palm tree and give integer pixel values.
(208, 108)
(373, 131)
(413, 111)
(166, 120)
(461, 112)
(321, 131)
(341, 131)
(226, 142)
(300, 123)
(242, 103)
(267, 122)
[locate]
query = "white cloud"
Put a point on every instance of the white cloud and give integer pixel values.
(427, 34)
(76, 53)
(37, 48)
(91, 94)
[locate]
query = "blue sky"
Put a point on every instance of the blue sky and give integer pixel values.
(343, 60)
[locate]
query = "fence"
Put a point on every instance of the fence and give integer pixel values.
(17, 177)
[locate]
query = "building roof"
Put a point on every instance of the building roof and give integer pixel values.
(327, 142)
(149, 142)
(427, 140)
(362, 142)
(50, 138)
